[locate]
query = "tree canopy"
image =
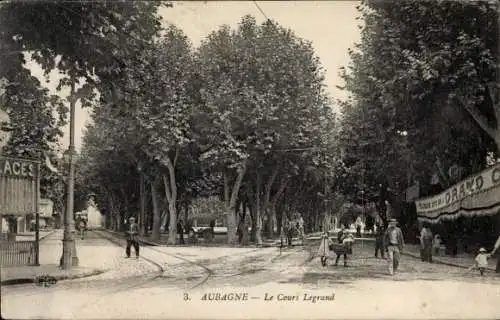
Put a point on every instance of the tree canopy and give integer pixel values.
(419, 84)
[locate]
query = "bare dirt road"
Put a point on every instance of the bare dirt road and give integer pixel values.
(228, 283)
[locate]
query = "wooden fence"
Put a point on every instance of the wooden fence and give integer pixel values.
(17, 253)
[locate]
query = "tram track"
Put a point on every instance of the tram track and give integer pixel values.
(115, 237)
(209, 273)
(118, 239)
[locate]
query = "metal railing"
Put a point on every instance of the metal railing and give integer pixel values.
(17, 253)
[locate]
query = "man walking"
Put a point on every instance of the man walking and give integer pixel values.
(394, 244)
(426, 238)
(132, 237)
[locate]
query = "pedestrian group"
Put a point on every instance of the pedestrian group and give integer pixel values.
(389, 242)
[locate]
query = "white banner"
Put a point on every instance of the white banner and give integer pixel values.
(475, 184)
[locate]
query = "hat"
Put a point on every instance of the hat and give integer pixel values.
(393, 220)
(482, 250)
(131, 218)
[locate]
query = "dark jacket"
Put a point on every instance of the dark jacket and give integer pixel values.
(180, 228)
(132, 232)
(379, 235)
(399, 235)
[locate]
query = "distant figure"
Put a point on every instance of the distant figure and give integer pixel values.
(388, 210)
(369, 224)
(482, 260)
(212, 227)
(426, 244)
(180, 231)
(394, 244)
(379, 241)
(132, 237)
(324, 249)
(436, 244)
(245, 239)
(301, 230)
(289, 232)
(344, 239)
(82, 228)
(358, 227)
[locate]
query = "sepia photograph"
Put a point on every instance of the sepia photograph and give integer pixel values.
(250, 159)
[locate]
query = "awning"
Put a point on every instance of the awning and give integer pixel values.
(478, 195)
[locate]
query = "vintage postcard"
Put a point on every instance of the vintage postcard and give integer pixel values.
(250, 159)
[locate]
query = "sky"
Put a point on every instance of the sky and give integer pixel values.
(331, 26)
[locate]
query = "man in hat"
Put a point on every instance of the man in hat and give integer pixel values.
(132, 237)
(394, 244)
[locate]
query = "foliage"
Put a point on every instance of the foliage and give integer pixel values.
(81, 39)
(408, 105)
(36, 120)
(264, 96)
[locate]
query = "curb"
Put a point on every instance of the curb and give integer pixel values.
(17, 281)
(434, 260)
(116, 242)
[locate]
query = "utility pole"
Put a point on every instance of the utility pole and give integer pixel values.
(69, 257)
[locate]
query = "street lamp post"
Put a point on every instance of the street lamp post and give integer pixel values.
(69, 257)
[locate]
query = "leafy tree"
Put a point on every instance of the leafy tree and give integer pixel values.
(408, 106)
(150, 121)
(86, 37)
(263, 92)
(36, 119)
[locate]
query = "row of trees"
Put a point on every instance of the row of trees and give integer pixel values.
(422, 105)
(81, 41)
(244, 117)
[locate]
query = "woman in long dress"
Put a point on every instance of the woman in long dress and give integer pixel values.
(324, 249)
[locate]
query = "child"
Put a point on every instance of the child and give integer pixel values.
(482, 260)
(324, 248)
(347, 240)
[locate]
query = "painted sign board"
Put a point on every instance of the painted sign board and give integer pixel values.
(475, 184)
(478, 194)
(18, 186)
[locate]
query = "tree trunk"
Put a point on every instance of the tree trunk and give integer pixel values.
(142, 198)
(267, 201)
(497, 138)
(186, 211)
(272, 208)
(155, 232)
(230, 198)
(258, 219)
(482, 121)
(253, 235)
(280, 210)
(171, 195)
(113, 214)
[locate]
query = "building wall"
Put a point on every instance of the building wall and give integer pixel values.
(94, 216)
(46, 208)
